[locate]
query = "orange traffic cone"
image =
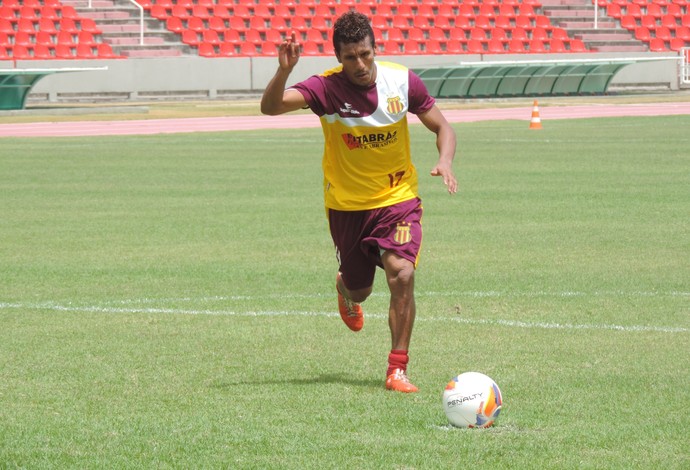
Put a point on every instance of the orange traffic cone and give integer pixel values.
(535, 123)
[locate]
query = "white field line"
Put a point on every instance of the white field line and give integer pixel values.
(275, 313)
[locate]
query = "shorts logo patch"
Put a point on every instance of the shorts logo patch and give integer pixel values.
(402, 233)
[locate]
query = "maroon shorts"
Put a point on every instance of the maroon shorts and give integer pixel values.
(361, 236)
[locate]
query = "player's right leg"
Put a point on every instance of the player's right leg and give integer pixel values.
(356, 270)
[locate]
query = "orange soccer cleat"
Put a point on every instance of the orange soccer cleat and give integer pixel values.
(398, 382)
(351, 312)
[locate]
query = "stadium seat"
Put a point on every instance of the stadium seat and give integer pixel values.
(433, 46)
(577, 45)
(248, 49)
(174, 24)
(253, 37)
(227, 50)
(496, 46)
(63, 51)
(104, 51)
(310, 48)
(231, 36)
(42, 37)
(475, 46)
(454, 46)
(411, 46)
(210, 36)
(516, 46)
(84, 37)
(642, 34)
(43, 52)
(536, 46)
(663, 33)
(190, 37)
(20, 52)
(519, 33)
(390, 47)
(669, 21)
(65, 37)
(84, 51)
(683, 33)
(628, 22)
(269, 48)
(657, 45)
(557, 46)
(207, 49)
(676, 44)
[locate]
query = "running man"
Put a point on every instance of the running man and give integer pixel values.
(370, 184)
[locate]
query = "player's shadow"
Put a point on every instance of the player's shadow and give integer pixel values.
(339, 379)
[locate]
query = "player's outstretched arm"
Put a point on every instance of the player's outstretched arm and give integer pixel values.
(277, 100)
(446, 143)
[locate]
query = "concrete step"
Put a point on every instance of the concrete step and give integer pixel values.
(612, 37)
(570, 14)
(618, 48)
(588, 24)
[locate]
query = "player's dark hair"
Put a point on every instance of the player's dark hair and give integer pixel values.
(352, 27)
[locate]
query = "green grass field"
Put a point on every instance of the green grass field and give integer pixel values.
(168, 302)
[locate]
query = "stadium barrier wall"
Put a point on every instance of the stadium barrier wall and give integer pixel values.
(142, 79)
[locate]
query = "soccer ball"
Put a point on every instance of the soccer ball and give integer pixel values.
(472, 400)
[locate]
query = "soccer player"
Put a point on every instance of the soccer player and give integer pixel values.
(370, 184)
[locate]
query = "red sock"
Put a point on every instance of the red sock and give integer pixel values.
(397, 359)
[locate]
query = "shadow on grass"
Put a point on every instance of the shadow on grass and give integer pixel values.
(338, 379)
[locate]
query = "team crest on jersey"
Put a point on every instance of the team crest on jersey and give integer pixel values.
(402, 233)
(395, 105)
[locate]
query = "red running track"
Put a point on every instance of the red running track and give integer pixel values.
(243, 123)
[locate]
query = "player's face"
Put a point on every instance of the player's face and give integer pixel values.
(358, 61)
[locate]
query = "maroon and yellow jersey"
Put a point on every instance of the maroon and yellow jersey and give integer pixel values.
(366, 160)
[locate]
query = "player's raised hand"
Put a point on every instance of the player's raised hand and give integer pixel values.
(288, 52)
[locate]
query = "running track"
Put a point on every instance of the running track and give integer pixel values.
(243, 123)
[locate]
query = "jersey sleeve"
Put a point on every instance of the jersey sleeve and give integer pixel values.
(314, 91)
(420, 101)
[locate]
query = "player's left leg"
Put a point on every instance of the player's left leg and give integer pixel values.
(401, 316)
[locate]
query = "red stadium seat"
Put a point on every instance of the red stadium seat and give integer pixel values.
(248, 49)
(536, 46)
(63, 51)
(190, 37)
(174, 24)
(642, 34)
(390, 48)
(207, 49)
(269, 48)
(628, 22)
(676, 44)
(253, 36)
(475, 46)
(657, 45)
(454, 46)
(577, 45)
(104, 51)
(310, 48)
(433, 46)
(557, 46)
(411, 47)
(210, 36)
(227, 50)
(84, 37)
(496, 46)
(85, 51)
(516, 46)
